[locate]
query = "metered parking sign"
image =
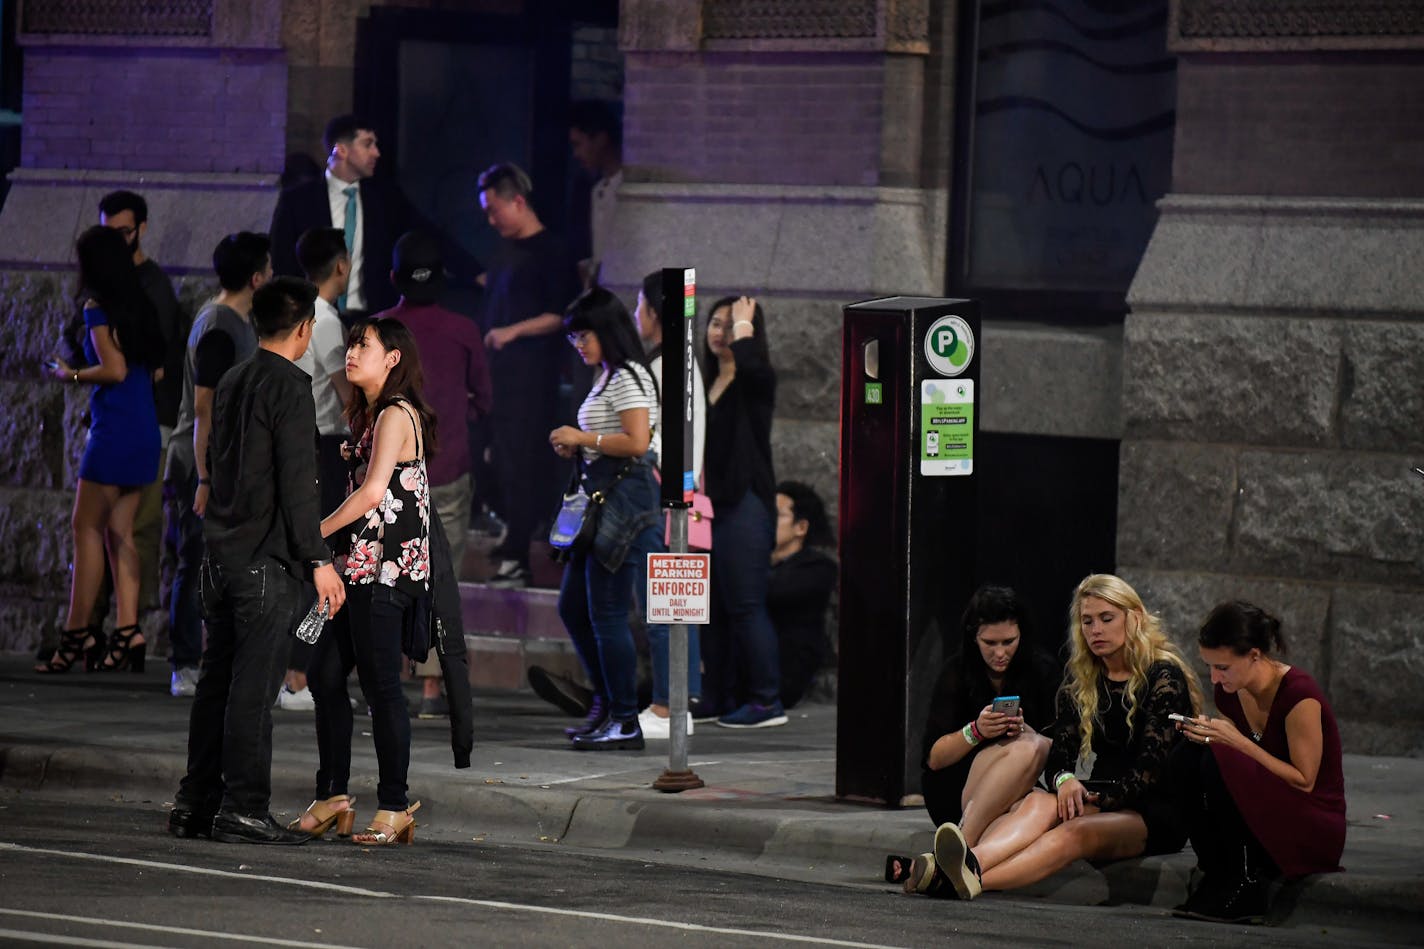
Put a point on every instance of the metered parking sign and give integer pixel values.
(679, 588)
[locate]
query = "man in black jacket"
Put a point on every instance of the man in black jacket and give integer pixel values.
(371, 213)
(799, 590)
(263, 533)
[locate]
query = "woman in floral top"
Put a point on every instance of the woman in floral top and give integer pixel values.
(1124, 679)
(386, 522)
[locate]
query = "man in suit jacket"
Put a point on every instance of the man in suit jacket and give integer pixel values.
(370, 212)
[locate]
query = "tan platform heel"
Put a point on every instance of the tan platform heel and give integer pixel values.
(326, 815)
(399, 828)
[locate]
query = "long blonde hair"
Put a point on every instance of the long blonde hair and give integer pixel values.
(1145, 644)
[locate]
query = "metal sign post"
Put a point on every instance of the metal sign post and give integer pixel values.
(678, 310)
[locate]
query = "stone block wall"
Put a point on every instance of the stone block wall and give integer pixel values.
(1273, 406)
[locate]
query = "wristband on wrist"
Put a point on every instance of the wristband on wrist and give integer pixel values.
(318, 564)
(1063, 778)
(974, 726)
(971, 737)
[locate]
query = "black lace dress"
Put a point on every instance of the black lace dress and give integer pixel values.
(1131, 762)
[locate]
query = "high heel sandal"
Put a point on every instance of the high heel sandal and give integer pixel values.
(71, 647)
(325, 813)
(122, 653)
(400, 823)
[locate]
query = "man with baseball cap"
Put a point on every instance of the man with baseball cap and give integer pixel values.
(457, 386)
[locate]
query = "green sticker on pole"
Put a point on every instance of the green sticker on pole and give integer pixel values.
(947, 427)
(874, 394)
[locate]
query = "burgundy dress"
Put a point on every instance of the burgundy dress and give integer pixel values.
(1304, 832)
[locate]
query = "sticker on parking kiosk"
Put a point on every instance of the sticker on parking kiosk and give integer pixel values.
(947, 427)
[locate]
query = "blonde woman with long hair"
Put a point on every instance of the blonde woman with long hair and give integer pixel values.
(1123, 680)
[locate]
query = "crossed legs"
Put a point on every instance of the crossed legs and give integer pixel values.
(1001, 774)
(1030, 843)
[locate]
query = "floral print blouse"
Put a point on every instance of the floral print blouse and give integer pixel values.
(390, 545)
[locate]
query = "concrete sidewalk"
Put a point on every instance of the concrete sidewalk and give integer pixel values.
(768, 806)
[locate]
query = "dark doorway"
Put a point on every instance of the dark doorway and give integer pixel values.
(1047, 518)
(458, 92)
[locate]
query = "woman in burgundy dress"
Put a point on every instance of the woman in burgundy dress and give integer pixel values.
(1270, 796)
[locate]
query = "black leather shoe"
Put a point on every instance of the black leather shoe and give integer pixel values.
(613, 736)
(190, 822)
(233, 828)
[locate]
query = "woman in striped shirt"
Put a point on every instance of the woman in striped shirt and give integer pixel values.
(615, 423)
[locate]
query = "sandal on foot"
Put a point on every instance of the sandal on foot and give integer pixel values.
(389, 827)
(955, 861)
(85, 641)
(318, 818)
(897, 868)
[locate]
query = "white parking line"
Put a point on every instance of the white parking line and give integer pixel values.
(120, 924)
(379, 894)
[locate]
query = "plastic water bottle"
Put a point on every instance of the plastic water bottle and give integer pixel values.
(309, 629)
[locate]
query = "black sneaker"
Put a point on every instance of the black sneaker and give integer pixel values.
(957, 862)
(613, 736)
(511, 574)
(570, 697)
(184, 821)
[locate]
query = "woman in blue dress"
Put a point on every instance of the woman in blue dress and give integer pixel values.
(123, 346)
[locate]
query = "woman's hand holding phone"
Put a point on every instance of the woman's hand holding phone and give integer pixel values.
(992, 724)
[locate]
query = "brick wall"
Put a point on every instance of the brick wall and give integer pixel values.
(1300, 124)
(754, 118)
(139, 109)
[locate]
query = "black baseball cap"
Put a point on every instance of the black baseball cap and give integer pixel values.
(419, 271)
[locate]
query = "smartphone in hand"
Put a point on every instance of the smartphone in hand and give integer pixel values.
(1006, 705)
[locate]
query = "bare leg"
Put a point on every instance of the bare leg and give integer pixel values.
(1026, 821)
(88, 522)
(1000, 775)
(123, 555)
(1102, 836)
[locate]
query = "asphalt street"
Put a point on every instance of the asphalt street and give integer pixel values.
(99, 870)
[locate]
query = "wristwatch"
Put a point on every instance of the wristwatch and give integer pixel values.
(318, 564)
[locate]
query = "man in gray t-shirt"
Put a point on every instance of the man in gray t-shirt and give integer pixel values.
(222, 336)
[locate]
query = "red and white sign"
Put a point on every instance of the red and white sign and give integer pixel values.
(679, 588)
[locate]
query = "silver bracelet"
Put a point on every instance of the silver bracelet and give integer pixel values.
(598, 442)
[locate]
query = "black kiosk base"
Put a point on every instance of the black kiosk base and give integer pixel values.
(909, 424)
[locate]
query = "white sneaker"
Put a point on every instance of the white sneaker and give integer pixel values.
(289, 701)
(509, 575)
(184, 682)
(657, 727)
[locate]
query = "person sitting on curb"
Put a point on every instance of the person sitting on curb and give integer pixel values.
(798, 593)
(1264, 784)
(1125, 679)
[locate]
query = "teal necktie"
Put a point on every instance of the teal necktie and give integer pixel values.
(350, 192)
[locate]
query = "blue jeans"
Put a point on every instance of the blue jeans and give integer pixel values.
(593, 603)
(185, 531)
(251, 611)
(739, 646)
(658, 638)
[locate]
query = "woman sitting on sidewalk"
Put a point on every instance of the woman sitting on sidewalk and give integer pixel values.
(977, 761)
(1264, 784)
(1124, 679)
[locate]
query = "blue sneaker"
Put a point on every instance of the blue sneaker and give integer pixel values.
(753, 715)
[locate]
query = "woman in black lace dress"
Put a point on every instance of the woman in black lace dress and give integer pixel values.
(1124, 678)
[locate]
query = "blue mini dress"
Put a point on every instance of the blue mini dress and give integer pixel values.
(123, 443)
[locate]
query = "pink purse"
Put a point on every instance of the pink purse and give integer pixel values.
(699, 524)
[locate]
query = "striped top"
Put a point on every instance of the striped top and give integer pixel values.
(599, 412)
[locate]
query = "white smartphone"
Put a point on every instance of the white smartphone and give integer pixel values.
(1177, 718)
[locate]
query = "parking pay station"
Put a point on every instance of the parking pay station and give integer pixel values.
(908, 523)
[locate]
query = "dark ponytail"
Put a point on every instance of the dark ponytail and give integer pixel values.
(1241, 627)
